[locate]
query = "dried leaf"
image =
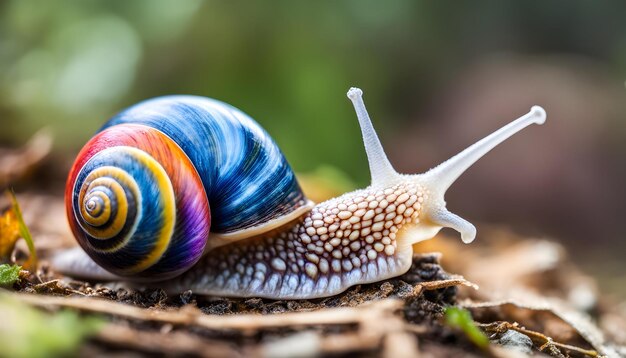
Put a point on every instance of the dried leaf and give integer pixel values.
(507, 266)
(549, 317)
(12, 227)
(546, 343)
(9, 234)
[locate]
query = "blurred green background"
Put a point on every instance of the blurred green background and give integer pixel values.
(437, 76)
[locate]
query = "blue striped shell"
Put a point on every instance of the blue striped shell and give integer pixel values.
(247, 179)
(134, 223)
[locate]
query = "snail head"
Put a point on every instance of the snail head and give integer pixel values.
(434, 215)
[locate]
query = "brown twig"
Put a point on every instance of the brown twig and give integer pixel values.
(193, 316)
(545, 341)
(55, 287)
(170, 344)
(436, 285)
(378, 325)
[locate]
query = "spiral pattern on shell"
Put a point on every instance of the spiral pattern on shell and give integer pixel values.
(137, 205)
(138, 195)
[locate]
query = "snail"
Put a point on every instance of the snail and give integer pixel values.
(189, 193)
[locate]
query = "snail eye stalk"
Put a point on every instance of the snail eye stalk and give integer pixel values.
(381, 170)
(440, 178)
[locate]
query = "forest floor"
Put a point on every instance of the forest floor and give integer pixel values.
(506, 296)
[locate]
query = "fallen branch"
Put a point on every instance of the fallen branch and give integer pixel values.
(193, 316)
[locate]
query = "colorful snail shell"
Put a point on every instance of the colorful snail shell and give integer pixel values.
(192, 193)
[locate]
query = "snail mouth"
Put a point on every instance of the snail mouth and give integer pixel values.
(409, 236)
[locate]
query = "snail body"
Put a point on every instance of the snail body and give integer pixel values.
(194, 194)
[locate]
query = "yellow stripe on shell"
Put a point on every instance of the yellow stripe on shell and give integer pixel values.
(168, 203)
(167, 198)
(112, 174)
(112, 182)
(98, 205)
(101, 172)
(105, 212)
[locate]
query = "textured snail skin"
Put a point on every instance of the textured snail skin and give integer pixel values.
(359, 237)
(211, 150)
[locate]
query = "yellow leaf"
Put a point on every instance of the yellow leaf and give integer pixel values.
(9, 234)
(12, 228)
